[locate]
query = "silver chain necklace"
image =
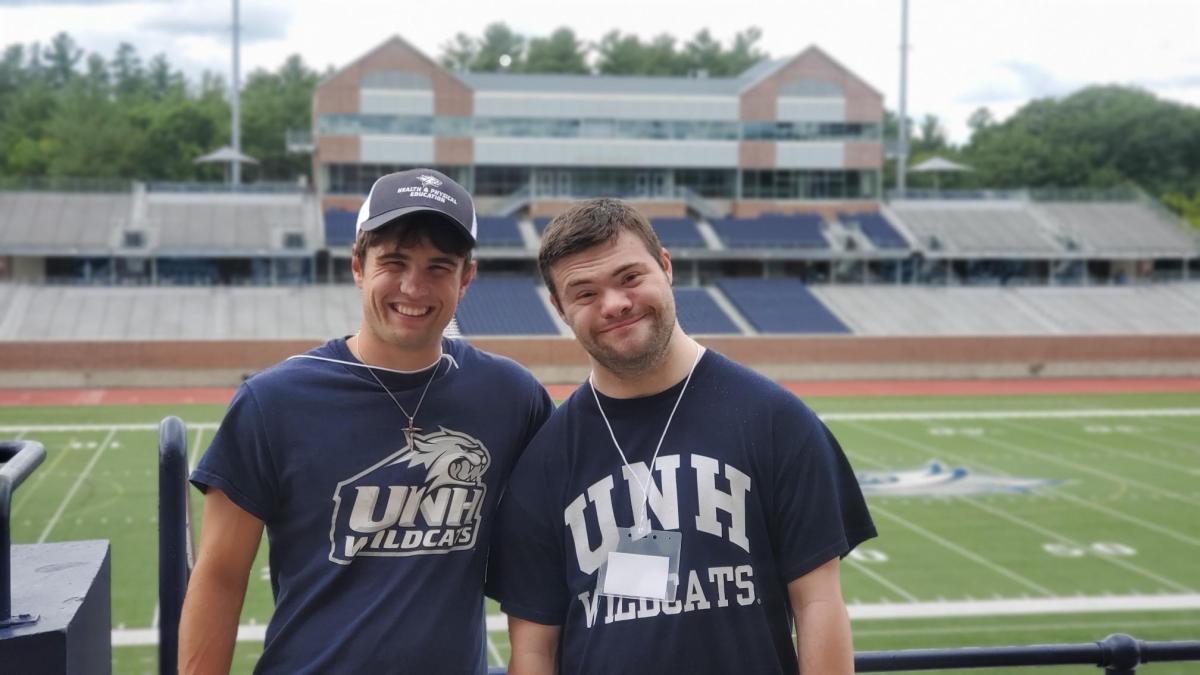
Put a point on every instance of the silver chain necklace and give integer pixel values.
(411, 429)
(640, 519)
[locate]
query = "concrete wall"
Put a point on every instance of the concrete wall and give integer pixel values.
(561, 360)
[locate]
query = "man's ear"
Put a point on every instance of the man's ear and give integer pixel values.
(356, 267)
(666, 264)
(468, 275)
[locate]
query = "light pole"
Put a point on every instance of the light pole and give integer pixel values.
(902, 141)
(235, 105)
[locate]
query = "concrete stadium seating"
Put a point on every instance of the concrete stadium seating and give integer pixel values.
(1119, 228)
(1000, 228)
(186, 222)
(62, 221)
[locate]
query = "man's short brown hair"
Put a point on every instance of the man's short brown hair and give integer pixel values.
(410, 230)
(591, 223)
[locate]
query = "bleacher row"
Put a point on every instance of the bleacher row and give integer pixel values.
(66, 223)
(517, 306)
(997, 228)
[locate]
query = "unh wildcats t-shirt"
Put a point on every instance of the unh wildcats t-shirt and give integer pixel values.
(377, 550)
(756, 486)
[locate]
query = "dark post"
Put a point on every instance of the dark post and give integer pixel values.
(174, 538)
(1120, 654)
(18, 459)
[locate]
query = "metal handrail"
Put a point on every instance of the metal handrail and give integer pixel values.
(175, 556)
(19, 459)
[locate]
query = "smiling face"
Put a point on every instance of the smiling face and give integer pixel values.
(617, 299)
(410, 291)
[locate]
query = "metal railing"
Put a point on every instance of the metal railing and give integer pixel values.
(18, 459)
(175, 554)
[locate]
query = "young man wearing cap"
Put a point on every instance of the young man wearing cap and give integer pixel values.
(678, 512)
(375, 463)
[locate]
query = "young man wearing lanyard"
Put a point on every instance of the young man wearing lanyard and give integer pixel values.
(679, 511)
(375, 463)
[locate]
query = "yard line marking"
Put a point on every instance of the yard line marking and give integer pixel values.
(492, 651)
(195, 448)
(832, 416)
(881, 580)
(154, 619)
(75, 488)
(1019, 627)
(1166, 464)
(1043, 456)
(42, 472)
(141, 637)
(1132, 567)
(933, 536)
(1062, 494)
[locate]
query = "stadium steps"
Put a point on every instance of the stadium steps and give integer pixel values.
(731, 311)
(710, 235)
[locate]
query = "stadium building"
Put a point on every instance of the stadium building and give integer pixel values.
(766, 187)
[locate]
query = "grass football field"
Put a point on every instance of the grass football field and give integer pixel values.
(1003, 520)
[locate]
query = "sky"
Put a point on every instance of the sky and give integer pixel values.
(963, 54)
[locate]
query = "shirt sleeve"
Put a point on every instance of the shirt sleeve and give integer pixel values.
(819, 510)
(525, 565)
(239, 461)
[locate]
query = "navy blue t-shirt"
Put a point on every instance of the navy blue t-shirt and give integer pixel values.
(755, 484)
(377, 550)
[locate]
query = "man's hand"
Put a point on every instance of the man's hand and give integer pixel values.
(208, 628)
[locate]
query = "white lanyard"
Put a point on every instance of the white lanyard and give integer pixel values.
(644, 521)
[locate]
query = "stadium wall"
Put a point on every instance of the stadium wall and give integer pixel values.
(561, 360)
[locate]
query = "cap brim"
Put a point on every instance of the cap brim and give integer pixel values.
(389, 217)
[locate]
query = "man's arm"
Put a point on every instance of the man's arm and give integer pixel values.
(208, 627)
(534, 647)
(823, 642)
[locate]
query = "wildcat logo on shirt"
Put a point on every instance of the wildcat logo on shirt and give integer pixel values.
(424, 499)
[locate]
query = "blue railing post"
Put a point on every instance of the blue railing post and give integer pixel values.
(18, 459)
(1120, 654)
(174, 538)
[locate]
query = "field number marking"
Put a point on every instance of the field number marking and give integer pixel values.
(1104, 548)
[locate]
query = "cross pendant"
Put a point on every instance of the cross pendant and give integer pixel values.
(410, 431)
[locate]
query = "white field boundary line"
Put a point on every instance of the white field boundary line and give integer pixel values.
(497, 623)
(1063, 494)
(1000, 513)
(1023, 627)
(829, 417)
(87, 470)
(879, 578)
(493, 653)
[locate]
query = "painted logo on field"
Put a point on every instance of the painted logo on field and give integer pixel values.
(935, 479)
(421, 500)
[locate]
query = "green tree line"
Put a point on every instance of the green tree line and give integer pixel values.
(501, 49)
(64, 113)
(67, 114)
(1098, 137)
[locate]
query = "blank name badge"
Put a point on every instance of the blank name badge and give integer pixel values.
(645, 567)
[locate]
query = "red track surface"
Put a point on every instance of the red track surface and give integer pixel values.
(222, 395)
